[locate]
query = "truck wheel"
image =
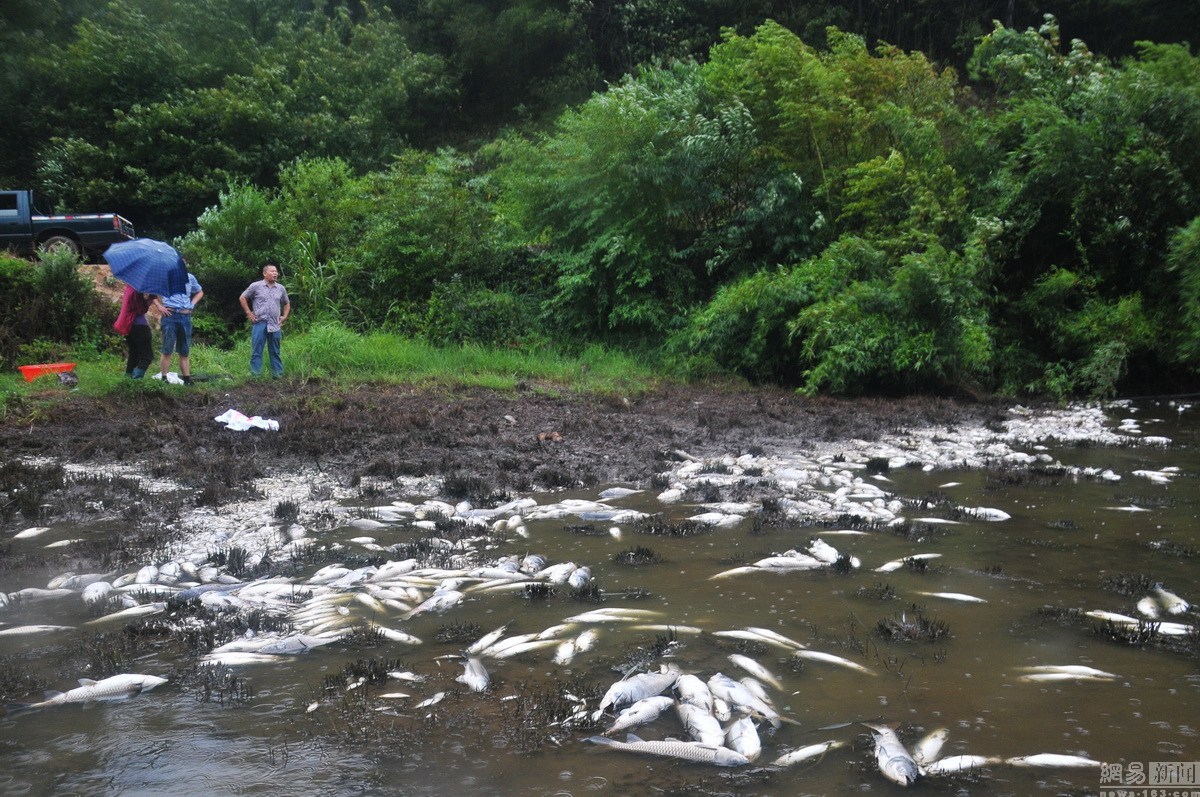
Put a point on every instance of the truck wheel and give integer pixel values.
(56, 242)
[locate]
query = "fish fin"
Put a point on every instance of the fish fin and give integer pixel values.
(599, 740)
(52, 694)
(632, 738)
(17, 708)
(86, 682)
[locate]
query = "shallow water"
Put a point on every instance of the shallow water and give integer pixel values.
(1063, 538)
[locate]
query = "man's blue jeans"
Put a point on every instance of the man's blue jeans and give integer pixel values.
(259, 336)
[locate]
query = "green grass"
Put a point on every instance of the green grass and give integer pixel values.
(332, 353)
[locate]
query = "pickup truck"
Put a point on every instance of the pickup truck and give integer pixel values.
(24, 229)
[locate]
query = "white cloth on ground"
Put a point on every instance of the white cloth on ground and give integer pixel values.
(239, 422)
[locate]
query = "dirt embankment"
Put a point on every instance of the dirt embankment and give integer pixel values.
(493, 443)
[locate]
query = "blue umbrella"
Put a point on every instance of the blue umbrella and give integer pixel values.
(148, 265)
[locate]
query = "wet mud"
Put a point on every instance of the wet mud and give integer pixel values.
(485, 446)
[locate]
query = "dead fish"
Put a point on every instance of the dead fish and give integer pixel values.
(926, 750)
(1052, 760)
(742, 737)
(1172, 603)
(29, 630)
(643, 711)
(636, 687)
(829, 658)
(395, 635)
(143, 610)
(684, 751)
(475, 675)
(701, 725)
(693, 691)
(959, 763)
(894, 761)
(805, 753)
(1149, 607)
(432, 701)
(757, 670)
(30, 532)
(896, 564)
(741, 698)
(1077, 669)
(486, 641)
(118, 687)
(961, 597)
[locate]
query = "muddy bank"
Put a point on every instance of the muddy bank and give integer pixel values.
(497, 443)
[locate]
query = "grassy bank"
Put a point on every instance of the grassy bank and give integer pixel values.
(332, 353)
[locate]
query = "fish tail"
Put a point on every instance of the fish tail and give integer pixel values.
(17, 708)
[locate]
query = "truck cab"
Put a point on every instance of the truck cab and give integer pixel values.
(24, 229)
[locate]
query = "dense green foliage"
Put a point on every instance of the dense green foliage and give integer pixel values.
(866, 197)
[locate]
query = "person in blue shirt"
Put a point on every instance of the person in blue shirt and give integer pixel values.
(176, 311)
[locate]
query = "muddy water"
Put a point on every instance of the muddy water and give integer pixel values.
(1064, 537)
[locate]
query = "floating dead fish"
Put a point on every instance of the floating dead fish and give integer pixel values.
(893, 759)
(474, 675)
(896, 564)
(742, 737)
(31, 630)
(829, 658)
(637, 687)
(805, 753)
(961, 597)
(432, 701)
(642, 712)
(1172, 603)
(117, 687)
(30, 532)
(757, 670)
(927, 749)
(684, 751)
(959, 763)
(987, 513)
(1052, 760)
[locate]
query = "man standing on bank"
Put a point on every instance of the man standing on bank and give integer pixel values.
(176, 311)
(267, 307)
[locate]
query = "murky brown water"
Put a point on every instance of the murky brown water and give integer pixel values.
(1063, 538)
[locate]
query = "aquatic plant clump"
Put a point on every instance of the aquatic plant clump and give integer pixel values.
(657, 525)
(912, 626)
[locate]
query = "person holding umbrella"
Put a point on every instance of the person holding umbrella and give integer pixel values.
(176, 310)
(156, 268)
(267, 306)
(131, 322)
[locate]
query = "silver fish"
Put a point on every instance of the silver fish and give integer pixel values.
(805, 753)
(118, 687)
(896, 564)
(953, 596)
(684, 751)
(739, 697)
(742, 737)
(486, 641)
(645, 710)
(700, 724)
(893, 760)
(29, 630)
(959, 763)
(757, 670)
(475, 675)
(636, 687)
(1052, 760)
(1170, 601)
(695, 692)
(829, 658)
(926, 751)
